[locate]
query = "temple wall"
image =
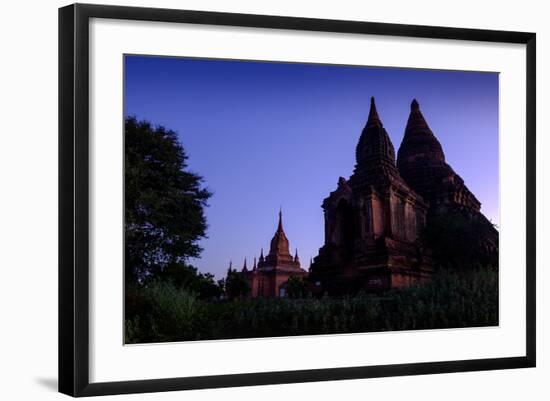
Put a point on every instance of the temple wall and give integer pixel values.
(328, 227)
(279, 280)
(261, 292)
(410, 217)
(365, 219)
(398, 222)
(332, 226)
(268, 287)
(378, 216)
(420, 219)
(264, 285)
(253, 282)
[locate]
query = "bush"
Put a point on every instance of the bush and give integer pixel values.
(236, 285)
(166, 313)
(450, 300)
(460, 240)
(188, 277)
(297, 287)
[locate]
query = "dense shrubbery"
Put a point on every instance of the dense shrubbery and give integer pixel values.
(185, 276)
(460, 241)
(162, 312)
(236, 285)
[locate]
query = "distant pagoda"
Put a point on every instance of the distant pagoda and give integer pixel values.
(268, 277)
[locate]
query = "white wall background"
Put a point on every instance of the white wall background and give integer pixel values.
(28, 199)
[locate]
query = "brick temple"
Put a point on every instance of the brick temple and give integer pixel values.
(268, 277)
(373, 219)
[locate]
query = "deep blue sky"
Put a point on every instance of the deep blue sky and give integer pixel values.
(265, 135)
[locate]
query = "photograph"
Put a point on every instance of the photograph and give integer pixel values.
(267, 199)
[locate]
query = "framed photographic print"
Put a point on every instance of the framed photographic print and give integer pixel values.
(249, 199)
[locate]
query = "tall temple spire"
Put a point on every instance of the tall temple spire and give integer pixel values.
(421, 162)
(254, 266)
(262, 255)
(374, 150)
(244, 266)
(296, 259)
(279, 242)
(373, 114)
(416, 123)
(419, 142)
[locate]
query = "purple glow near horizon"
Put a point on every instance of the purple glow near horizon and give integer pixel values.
(268, 135)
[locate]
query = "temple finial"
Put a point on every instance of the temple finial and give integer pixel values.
(254, 266)
(244, 266)
(416, 122)
(373, 114)
(280, 227)
(296, 259)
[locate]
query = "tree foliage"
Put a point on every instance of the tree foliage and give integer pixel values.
(296, 287)
(236, 285)
(462, 241)
(164, 218)
(188, 277)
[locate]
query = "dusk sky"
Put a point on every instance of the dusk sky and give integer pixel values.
(268, 135)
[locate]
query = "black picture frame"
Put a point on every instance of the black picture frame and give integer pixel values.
(74, 198)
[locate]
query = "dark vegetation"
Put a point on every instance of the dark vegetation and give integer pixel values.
(452, 299)
(459, 240)
(236, 286)
(167, 299)
(164, 217)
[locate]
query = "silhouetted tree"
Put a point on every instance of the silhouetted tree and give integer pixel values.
(461, 241)
(188, 277)
(236, 285)
(164, 217)
(296, 287)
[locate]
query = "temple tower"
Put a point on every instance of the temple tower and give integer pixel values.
(372, 222)
(279, 254)
(422, 164)
(269, 276)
